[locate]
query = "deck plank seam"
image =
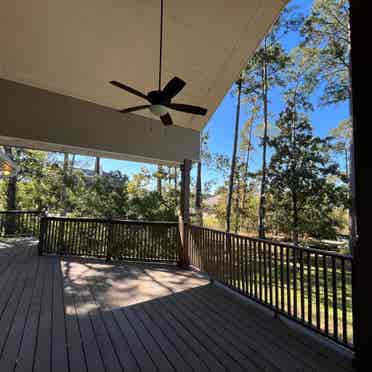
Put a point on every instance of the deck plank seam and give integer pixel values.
(140, 340)
(201, 356)
(10, 326)
(99, 313)
(146, 310)
(207, 333)
(158, 343)
(27, 314)
(213, 354)
(229, 332)
(38, 323)
(20, 285)
(226, 322)
(108, 332)
(80, 332)
(278, 327)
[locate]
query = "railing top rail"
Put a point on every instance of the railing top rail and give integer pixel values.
(107, 220)
(20, 211)
(280, 244)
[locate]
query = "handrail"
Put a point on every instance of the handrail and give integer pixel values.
(15, 211)
(109, 220)
(280, 244)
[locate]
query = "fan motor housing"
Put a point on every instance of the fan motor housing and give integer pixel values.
(157, 97)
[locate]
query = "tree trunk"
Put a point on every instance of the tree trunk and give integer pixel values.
(159, 179)
(64, 186)
(11, 197)
(352, 211)
(237, 199)
(233, 161)
(175, 179)
(97, 166)
(246, 183)
(198, 196)
(351, 171)
(11, 200)
(295, 180)
(262, 205)
(295, 217)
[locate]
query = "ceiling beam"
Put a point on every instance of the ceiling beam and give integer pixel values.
(36, 118)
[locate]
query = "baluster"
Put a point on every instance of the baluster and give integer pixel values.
(309, 289)
(317, 292)
(325, 289)
(343, 296)
(334, 294)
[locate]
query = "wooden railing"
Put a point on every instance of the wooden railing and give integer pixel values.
(19, 223)
(116, 239)
(310, 286)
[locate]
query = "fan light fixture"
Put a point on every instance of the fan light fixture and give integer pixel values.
(158, 110)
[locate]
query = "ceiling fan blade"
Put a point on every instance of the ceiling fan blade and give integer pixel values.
(188, 108)
(166, 119)
(129, 89)
(136, 108)
(173, 87)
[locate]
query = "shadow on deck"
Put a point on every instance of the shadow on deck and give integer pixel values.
(90, 315)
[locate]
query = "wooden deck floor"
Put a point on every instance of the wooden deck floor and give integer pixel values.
(88, 315)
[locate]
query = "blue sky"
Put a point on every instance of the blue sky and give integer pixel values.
(221, 124)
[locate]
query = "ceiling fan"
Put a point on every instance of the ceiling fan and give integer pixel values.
(161, 100)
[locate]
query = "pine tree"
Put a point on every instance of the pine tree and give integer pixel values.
(263, 73)
(300, 178)
(234, 153)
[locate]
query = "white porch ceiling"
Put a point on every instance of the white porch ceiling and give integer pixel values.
(74, 47)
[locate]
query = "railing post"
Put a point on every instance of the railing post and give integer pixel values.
(42, 232)
(109, 239)
(184, 219)
(362, 254)
(60, 239)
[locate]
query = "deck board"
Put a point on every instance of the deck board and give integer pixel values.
(76, 314)
(43, 350)
(16, 323)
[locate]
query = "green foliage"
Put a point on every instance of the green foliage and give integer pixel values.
(327, 45)
(304, 195)
(104, 196)
(45, 183)
(341, 138)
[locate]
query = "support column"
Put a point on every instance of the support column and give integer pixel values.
(362, 300)
(184, 218)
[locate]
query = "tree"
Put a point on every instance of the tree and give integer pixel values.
(205, 157)
(105, 197)
(326, 35)
(246, 147)
(263, 72)
(327, 42)
(97, 166)
(12, 184)
(233, 161)
(65, 183)
(30, 167)
(300, 178)
(159, 175)
(342, 137)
